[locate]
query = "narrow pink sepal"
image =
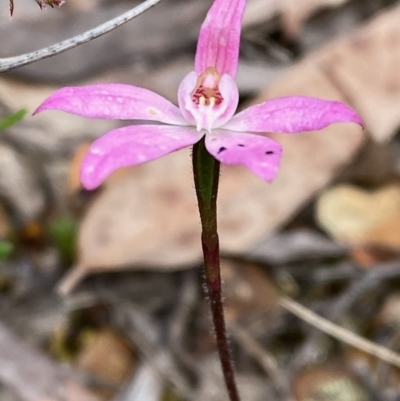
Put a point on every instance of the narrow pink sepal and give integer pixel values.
(292, 114)
(259, 154)
(132, 145)
(114, 101)
(219, 37)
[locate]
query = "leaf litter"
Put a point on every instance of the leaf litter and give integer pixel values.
(149, 246)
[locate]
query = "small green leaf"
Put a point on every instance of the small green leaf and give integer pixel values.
(12, 119)
(63, 231)
(6, 249)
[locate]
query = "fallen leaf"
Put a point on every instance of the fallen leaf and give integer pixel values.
(369, 256)
(146, 215)
(73, 178)
(386, 233)
(329, 381)
(294, 12)
(26, 200)
(355, 216)
(375, 164)
(295, 245)
(5, 225)
(365, 66)
(247, 291)
(389, 315)
(107, 356)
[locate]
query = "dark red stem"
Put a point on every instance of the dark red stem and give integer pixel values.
(206, 177)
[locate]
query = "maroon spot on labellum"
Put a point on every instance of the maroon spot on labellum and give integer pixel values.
(241, 145)
(221, 149)
(269, 152)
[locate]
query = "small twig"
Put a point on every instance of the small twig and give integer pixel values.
(145, 385)
(27, 58)
(33, 376)
(362, 373)
(340, 333)
(264, 359)
(383, 369)
(187, 299)
(144, 333)
(358, 287)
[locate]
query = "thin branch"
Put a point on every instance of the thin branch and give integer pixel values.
(340, 333)
(33, 376)
(358, 287)
(264, 359)
(24, 59)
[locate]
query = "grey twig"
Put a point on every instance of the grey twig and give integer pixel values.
(340, 333)
(24, 59)
(347, 299)
(33, 376)
(265, 360)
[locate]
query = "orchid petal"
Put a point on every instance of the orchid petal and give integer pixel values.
(219, 38)
(292, 114)
(206, 116)
(185, 100)
(114, 101)
(132, 145)
(259, 154)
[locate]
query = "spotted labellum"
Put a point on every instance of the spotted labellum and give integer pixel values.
(207, 98)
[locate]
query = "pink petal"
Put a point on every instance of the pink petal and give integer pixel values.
(219, 38)
(114, 101)
(259, 154)
(132, 145)
(208, 117)
(292, 114)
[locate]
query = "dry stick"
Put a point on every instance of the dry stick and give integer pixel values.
(27, 58)
(33, 376)
(186, 301)
(340, 333)
(265, 360)
(144, 333)
(356, 289)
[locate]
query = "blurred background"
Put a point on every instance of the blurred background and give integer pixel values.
(101, 292)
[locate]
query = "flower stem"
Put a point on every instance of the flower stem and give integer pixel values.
(206, 179)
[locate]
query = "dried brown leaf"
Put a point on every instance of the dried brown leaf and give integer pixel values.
(366, 67)
(355, 216)
(248, 290)
(329, 381)
(107, 355)
(294, 12)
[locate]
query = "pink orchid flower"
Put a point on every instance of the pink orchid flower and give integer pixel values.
(207, 98)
